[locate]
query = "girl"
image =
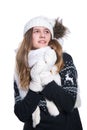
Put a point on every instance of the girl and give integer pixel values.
(38, 33)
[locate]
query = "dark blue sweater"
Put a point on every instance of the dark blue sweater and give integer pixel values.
(63, 96)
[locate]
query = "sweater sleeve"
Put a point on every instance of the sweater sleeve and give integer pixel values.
(24, 108)
(64, 96)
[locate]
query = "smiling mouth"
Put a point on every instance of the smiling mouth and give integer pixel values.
(42, 42)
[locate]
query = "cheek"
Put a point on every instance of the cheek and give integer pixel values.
(34, 43)
(34, 39)
(49, 38)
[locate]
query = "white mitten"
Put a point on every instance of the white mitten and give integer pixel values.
(50, 57)
(36, 117)
(57, 79)
(37, 68)
(35, 86)
(46, 77)
(52, 109)
(35, 83)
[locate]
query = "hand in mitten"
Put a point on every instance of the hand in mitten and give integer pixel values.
(35, 83)
(57, 79)
(38, 68)
(50, 57)
(35, 73)
(46, 77)
(35, 86)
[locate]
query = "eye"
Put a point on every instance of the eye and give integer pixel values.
(36, 31)
(47, 31)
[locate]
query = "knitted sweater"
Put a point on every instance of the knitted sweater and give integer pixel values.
(63, 96)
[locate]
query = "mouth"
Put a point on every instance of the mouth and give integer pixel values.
(42, 42)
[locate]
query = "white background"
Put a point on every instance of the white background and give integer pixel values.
(13, 15)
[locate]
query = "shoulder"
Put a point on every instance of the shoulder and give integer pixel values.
(67, 56)
(68, 63)
(69, 66)
(68, 60)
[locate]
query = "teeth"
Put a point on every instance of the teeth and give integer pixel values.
(42, 42)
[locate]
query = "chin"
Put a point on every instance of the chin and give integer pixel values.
(43, 45)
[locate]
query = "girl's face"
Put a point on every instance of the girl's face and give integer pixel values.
(40, 37)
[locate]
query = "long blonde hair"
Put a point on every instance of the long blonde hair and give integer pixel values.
(22, 67)
(54, 44)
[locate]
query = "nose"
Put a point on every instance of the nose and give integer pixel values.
(42, 34)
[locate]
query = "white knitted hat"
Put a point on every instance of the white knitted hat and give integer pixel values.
(40, 21)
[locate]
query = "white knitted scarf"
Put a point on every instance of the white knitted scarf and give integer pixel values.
(35, 55)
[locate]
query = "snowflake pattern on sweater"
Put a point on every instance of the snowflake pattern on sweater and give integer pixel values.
(69, 76)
